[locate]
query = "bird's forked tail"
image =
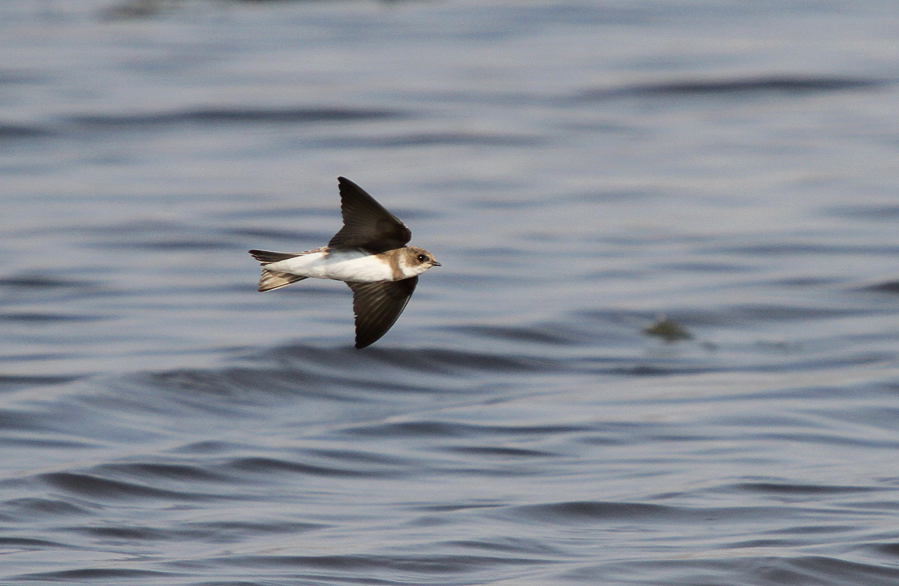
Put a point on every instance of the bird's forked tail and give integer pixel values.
(274, 279)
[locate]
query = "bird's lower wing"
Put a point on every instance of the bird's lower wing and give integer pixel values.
(377, 306)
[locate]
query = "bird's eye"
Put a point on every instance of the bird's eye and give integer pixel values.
(422, 258)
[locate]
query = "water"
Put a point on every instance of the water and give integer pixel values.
(581, 170)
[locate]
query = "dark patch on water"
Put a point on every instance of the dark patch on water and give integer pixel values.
(426, 565)
(436, 360)
(162, 471)
(358, 457)
(544, 334)
(237, 531)
(415, 429)
(867, 213)
(19, 420)
(822, 570)
(37, 281)
(433, 139)
(14, 381)
(14, 132)
(799, 489)
(226, 115)
(591, 511)
(96, 487)
(503, 453)
(444, 429)
(891, 549)
(26, 543)
(38, 508)
(268, 466)
(891, 287)
(776, 249)
(774, 84)
(36, 318)
(95, 574)
(762, 311)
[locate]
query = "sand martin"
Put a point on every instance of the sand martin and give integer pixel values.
(369, 254)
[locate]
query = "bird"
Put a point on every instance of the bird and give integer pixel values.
(369, 254)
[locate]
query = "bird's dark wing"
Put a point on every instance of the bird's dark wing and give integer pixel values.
(366, 224)
(377, 307)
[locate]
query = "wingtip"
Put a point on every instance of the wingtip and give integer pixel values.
(361, 343)
(343, 182)
(365, 341)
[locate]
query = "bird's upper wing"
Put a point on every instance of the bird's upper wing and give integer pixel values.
(377, 306)
(366, 224)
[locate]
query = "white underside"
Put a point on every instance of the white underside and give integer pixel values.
(342, 266)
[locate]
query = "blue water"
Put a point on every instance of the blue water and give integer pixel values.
(586, 172)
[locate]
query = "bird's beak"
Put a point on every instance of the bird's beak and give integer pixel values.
(434, 263)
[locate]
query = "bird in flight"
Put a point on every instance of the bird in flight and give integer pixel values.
(369, 254)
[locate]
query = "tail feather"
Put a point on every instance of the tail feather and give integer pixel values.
(266, 257)
(275, 280)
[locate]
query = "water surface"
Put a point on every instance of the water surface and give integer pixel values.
(582, 170)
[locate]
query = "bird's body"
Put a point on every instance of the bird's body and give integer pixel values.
(369, 254)
(349, 264)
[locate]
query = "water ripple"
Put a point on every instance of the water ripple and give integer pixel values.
(238, 115)
(96, 487)
(797, 85)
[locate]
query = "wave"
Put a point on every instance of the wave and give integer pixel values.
(788, 85)
(238, 115)
(214, 116)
